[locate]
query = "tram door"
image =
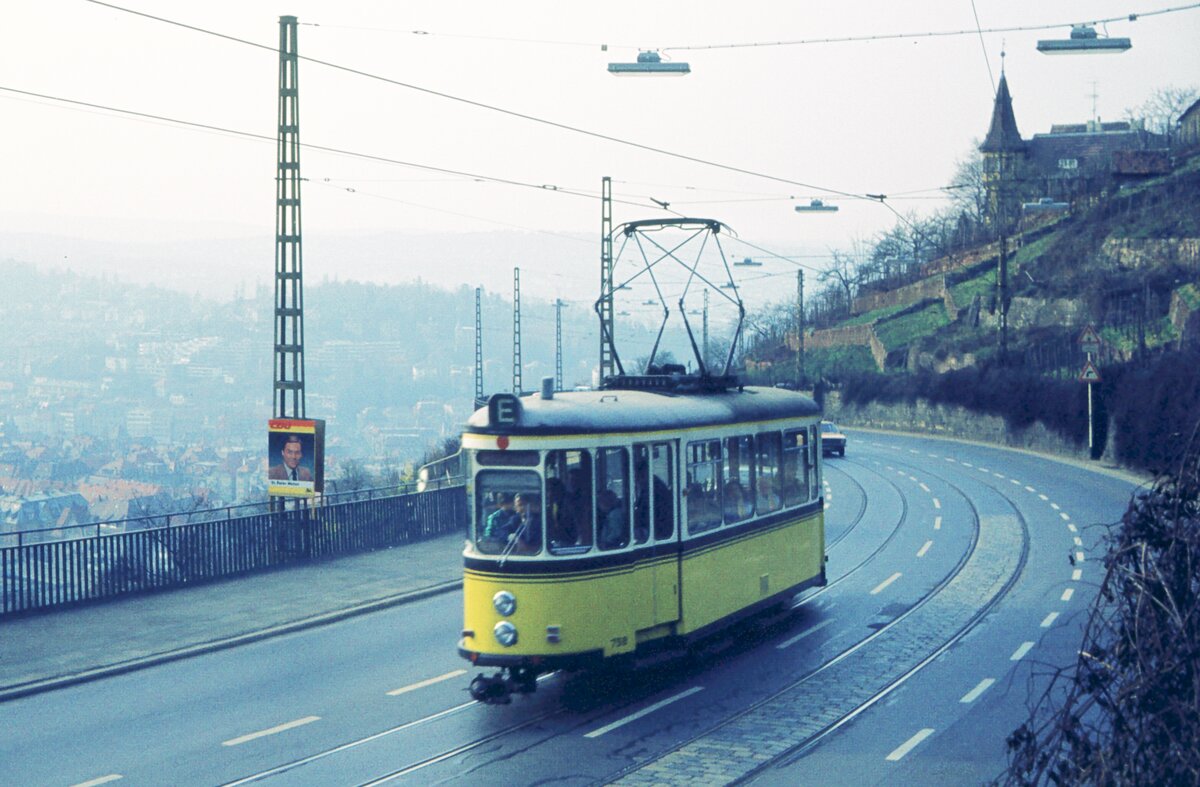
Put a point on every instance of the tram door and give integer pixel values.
(654, 514)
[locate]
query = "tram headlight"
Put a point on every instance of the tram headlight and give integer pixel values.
(505, 603)
(506, 633)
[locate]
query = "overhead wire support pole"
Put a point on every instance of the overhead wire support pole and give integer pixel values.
(478, 347)
(799, 329)
(289, 288)
(558, 373)
(517, 386)
(605, 304)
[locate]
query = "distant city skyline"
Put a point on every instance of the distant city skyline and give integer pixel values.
(884, 117)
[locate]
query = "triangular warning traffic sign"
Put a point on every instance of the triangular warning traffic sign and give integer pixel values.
(1089, 336)
(1090, 374)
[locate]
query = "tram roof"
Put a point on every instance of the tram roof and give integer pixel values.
(608, 411)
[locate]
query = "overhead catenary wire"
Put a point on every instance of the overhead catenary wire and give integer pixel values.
(492, 107)
(550, 188)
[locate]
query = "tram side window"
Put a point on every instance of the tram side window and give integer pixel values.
(767, 499)
(795, 468)
(569, 502)
(509, 506)
(814, 460)
(612, 498)
(653, 492)
(703, 497)
(739, 478)
(662, 458)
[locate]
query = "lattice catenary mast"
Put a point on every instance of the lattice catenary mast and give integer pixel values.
(478, 347)
(517, 331)
(607, 362)
(289, 290)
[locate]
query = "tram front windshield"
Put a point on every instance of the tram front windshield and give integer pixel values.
(508, 507)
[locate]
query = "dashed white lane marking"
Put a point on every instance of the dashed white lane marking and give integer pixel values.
(1066, 596)
(607, 728)
(422, 684)
(1020, 652)
(1000, 476)
(1066, 517)
(882, 585)
(912, 478)
(112, 777)
(1077, 574)
(937, 523)
(789, 642)
(1043, 497)
(967, 464)
(1054, 506)
(1072, 528)
(932, 456)
(974, 693)
(1079, 557)
(937, 503)
(273, 731)
(921, 552)
(924, 488)
(1030, 489)
(1014, 482)
(984, 470)
(951, 459)
(909, 744)
(1048, 621)
(1078, 541)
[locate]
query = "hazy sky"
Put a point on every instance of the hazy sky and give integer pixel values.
(887, 116)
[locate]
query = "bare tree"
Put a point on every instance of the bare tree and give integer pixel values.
(1162, 109)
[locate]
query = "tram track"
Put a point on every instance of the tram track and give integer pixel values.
(476, 742)
(647, 772)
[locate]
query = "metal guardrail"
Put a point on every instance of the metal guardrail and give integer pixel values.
(68, 571)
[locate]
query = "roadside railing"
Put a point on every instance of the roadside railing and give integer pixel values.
(108, 563)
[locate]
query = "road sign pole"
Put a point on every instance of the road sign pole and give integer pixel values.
(1091, 424)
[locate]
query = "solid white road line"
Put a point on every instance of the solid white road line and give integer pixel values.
(274, 730)
(422, 684)
(885, 583)
(909, 744)
(1048, 621)
(974, 693)
(643, 712)
(112, 777)
(937, 523)
(921, 552)
(1066, 596)
(1077, 574)
(788, 643)
(1020, 652)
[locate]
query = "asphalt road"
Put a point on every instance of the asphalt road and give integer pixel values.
(952, 594)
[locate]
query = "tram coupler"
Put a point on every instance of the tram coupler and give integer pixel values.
(498, 689)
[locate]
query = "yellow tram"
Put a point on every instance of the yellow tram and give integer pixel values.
(620, 523)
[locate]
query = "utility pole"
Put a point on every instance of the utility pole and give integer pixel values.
(799, 328)
(558, 375)
(705, 329)
(478, 347)
(289, 289)
(517, 331)
(605, 304)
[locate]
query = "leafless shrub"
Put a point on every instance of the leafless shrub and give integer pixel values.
(1129, 710)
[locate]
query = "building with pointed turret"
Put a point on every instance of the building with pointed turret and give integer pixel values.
(1070, 162)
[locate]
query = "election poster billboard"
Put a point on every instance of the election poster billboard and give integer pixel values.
(296, 457)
